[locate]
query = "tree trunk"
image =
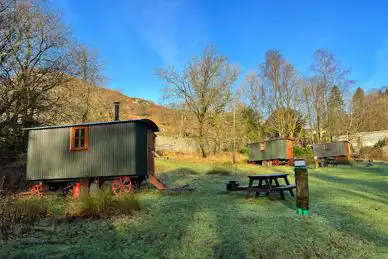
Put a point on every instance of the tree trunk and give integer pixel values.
(181, 130)
(215, 146)
(202, 149)
(201, 140)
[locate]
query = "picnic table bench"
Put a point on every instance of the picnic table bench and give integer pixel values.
(267, 183)
(328, 161)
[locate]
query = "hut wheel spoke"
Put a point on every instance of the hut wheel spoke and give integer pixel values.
(37, 190)
(117, 185)
(121, 185)
(118, 180)
(126, 180)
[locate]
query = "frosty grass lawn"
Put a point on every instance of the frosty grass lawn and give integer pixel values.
(348, 205)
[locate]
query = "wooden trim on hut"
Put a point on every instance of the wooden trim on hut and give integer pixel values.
(347, 149)
(290, 151)
(74, 138)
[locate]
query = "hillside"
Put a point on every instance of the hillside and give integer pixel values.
(77, 97)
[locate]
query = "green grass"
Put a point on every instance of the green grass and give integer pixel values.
(349, 219)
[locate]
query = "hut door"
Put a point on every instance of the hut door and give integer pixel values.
(150, 152)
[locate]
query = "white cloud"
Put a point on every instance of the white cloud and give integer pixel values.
(159, 23)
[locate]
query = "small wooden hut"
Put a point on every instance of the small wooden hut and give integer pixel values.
(276, 151)
(338, 150)
(117, 151)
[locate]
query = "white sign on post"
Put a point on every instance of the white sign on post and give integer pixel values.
(299, 163)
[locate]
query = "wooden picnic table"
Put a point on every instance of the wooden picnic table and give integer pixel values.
(269, 183)
(330, 161)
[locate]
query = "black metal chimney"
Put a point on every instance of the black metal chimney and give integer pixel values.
(117, 111)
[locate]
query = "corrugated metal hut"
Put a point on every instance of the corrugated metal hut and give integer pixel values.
(122, 151)
(340, 150)
(101, 149)
(276, 150)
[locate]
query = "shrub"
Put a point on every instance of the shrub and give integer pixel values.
(244, 151)
(126, 204)
(374, 153)
(381, 143)
(228, 165)
(12, 175)
(302, 152)
(18, 216)
(103, 203)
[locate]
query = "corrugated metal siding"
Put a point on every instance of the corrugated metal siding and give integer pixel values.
(274, 149)
(333, 149)
(114, 149)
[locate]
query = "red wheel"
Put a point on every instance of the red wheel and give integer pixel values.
(275, 162)
(37, 190)
(121, 185)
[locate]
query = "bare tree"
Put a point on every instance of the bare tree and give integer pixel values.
(328, 69)
(87, 68)
(375, 110)
(254, 93)
(355, 117)
(205, 88)
(282, 94)
(36, 63)
(249, 109)
(7, 30)
(315, 108)
(327, 74)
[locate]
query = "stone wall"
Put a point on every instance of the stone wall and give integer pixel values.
(176, 144)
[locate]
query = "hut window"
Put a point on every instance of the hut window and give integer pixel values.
(326, 147)
(79, 138)
(262, 146)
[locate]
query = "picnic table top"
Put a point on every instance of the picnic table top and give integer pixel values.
(263, 176)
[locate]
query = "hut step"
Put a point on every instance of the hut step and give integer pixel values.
(155, 182)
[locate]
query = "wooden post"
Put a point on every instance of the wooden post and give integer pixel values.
(302, 190)
(316, 163)
(84, 192)
(94, 186)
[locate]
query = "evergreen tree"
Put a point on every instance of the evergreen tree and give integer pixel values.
(357, 106)
(252, 124)
(336, 113)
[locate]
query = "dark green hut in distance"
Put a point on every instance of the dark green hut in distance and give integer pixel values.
(277, 151)
(338, 150)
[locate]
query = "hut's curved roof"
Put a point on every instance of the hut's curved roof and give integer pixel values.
(149, 123)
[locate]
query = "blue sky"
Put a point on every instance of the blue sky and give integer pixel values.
(136, 37)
